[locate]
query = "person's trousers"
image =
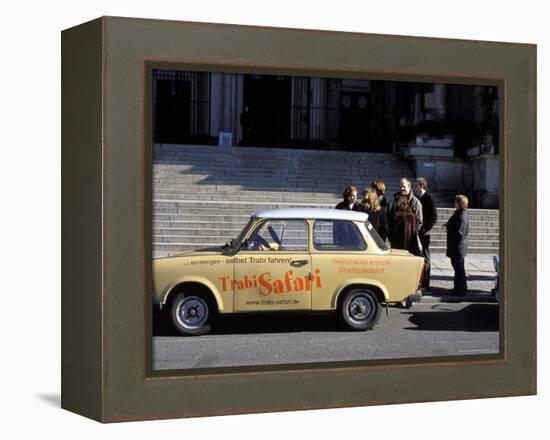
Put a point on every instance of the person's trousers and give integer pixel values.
(425, 241)
(460, 274)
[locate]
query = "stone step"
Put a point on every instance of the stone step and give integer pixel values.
(163, 249)
(217, 193)
(233, 189)
(471, 250)
(204, 195)
(299, 174)
(222, 230)
(240, 195)
(237, 217)
(261, 152)
(280, 186)
(193, 225)
(473, 242)
(442, 212)
(332, 200)
(296, 159)
(191, 164)
(206, 217)
(221, 191)
(323, 184)
(272, 169)
(215, 237)
(230, 207)
(205, 207)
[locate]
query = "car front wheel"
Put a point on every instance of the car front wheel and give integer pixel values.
(191, 315)
(360, 309)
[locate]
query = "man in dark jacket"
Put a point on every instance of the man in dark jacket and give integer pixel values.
(429, 217)
(457, 243)
(414, 203)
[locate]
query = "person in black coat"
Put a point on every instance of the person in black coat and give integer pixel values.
(377, 216)
(350, 200)
(429, 218)
(457, 243)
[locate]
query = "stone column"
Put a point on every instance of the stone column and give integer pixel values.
(216, 104)
(226, 105)
(439, 101)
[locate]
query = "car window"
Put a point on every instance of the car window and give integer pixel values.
(237, 241)
(278, 235)
(376, 237)
(337, 235)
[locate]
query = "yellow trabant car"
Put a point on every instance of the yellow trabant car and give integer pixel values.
(289, 259)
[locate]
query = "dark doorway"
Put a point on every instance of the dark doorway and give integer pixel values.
(268, 100)
(173, 111)
(355, 118)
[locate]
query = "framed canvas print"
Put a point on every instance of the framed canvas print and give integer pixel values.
(300, 219)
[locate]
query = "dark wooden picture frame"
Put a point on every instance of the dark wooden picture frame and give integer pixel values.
(106, 214)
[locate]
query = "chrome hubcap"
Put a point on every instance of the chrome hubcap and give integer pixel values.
(192, 312)
(360, 308)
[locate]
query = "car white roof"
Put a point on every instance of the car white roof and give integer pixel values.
(313, 213)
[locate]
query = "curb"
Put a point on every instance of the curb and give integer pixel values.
(444, 298)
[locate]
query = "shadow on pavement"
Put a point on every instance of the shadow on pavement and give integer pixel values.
(470, 277)
(258, 323)
(473, 295)
(471, 318)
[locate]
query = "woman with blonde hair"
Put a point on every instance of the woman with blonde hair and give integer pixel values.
(377, 216)
(380, 187)
(457, 242)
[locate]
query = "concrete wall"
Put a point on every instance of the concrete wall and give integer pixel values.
(477, 177)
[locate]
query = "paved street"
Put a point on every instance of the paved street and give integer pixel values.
(441, 325)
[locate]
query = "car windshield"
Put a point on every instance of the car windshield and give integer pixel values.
(376, 237)
(236, 242)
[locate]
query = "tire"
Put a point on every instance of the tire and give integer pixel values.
(191, 315)
(360, 309)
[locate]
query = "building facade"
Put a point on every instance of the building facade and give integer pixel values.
(448, 132)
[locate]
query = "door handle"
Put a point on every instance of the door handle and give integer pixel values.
(299, 263)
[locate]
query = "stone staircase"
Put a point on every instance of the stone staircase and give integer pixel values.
(204, 195)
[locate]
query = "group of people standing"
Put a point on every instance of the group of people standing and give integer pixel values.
(407, 221)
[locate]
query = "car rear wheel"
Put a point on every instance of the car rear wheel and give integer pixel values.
(360, 309)
(191, 315)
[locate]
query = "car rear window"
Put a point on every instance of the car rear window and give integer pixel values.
(337, 235)
(376, 237)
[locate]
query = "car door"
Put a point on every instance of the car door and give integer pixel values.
(338, 255)
(272, 270)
